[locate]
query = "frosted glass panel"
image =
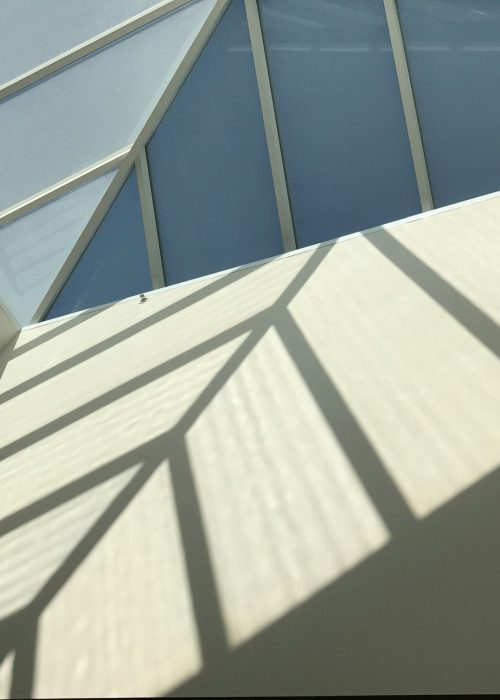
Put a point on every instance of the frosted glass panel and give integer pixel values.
(34, 248)
(115, 263)
(92, 108)
(453, 53)
(346, 150)
(34, 31)
(209, 165)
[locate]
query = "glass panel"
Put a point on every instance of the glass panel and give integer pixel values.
(34, 247)
(453, 53)
(343, 133)
(91, 109)
(115, 263)
(209, 165)
(46, 28)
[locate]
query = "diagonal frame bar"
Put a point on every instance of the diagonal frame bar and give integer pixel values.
(270, 126)
(149, 220)
(98, 42)
(61, 188)
(127, 164)
(409, 107)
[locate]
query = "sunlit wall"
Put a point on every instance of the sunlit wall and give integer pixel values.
(281, 480)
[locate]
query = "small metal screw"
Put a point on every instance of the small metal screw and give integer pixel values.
(143, 298)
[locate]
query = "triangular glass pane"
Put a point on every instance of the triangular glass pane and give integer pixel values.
(209, 164)
(34, 247)
(93, 108)
(115, 263)
(46, 29)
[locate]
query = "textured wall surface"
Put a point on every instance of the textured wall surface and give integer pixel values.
(278, 481)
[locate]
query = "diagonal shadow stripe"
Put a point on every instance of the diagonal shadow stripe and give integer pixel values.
(23, 671)
(80, 357)
(345, 428)
(126, 388)
(26, 623)
(117, 506)
(73, 489)
(126, 461)
(261, 324)
(107, 471)
(59, 329)
(201, 577)
(482, 326)
(207, 611)
(175, 308)
(172, 364)
(161, 315)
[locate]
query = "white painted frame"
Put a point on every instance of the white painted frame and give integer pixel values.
(270, 126)
(119, 31)
(64, 186)
(45, 70)
(128, 162)
(409, 106)
(272, 135)
(149, 219)
(135, 154)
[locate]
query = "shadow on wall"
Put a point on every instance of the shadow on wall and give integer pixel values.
(6, 353)
(418, 614)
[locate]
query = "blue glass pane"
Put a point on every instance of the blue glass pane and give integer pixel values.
(343, 135)
(453, 53)
(114, 264)
(209, 165)
(34, 247)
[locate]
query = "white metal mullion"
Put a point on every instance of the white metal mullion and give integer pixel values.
(64, 186)
(127, 164)
(85, 237)
(409, 107)
(270, 126)
(149, 219)
(87, 47)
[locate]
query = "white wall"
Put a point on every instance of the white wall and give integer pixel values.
(279, 481)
